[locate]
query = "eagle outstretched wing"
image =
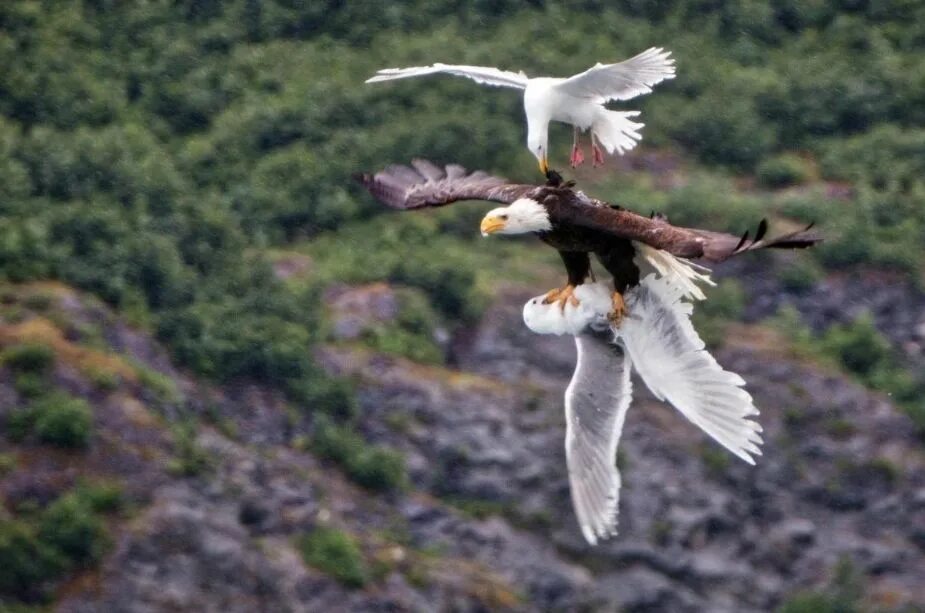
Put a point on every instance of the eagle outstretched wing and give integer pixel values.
(681, 242)
(425, 184)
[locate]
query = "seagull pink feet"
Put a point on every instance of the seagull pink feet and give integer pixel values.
(598, 155)
(577, 158)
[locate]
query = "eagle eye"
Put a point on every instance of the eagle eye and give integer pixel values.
(502, 217)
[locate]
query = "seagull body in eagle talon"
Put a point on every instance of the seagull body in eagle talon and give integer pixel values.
(577, 100)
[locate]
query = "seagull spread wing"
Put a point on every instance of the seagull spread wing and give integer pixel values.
(671, 360)
(595, 407)
(480, 74)
(623, 80)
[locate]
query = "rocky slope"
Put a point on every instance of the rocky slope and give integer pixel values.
(215, 514)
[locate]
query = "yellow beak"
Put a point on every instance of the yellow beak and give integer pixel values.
(544, 166)
(490, 225)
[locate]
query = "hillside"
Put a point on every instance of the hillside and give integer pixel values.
(229, 381)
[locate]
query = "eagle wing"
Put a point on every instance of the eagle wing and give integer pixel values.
(596, 401)
(424, 184)
(676, 240)
(623, 80)
(480, 74)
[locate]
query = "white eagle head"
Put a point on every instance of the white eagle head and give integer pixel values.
(521, 216)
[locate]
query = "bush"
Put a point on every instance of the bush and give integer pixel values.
(28, 358)
(376, 468)
(71, 527)
(334, 552)
(800, 275)
(331, 396)
(27, 562)
(782, 170)
(858, 346)
(62, 420)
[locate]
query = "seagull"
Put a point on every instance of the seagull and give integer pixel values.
(577, 100)
(660, 344)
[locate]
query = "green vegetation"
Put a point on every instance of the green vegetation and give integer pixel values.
(28, 358)
(782, 170)
(843, 595)
(377, 467)
(190, 459)
(37, 548)
(861, 350)
(334, 552)
(56, 418)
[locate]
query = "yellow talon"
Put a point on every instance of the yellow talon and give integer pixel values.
(619, 309)
(563, 296)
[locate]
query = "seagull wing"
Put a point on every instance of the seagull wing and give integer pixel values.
(424, 184)
(595, 407)
(672, 361)
(623, 80)
(480, 74)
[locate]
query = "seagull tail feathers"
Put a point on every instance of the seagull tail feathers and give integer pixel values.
(616, 131)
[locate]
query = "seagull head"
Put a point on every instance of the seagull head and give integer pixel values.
(537, 147)
(521, 216)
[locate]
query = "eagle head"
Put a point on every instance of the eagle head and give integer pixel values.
(521, 216)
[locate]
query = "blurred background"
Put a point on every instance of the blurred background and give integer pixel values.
(231, 381)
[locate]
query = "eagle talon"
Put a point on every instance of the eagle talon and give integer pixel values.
(619, 310)
(563, 296)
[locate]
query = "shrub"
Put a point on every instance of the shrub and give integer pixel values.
(334, 552)
(331, 396)
(30, 385)
(800, 275)
(62, 420)
(858, 346)
(379, 469)
(190, 459)
(376, 468)
(28, 357)
(27, 561)
(782, 170)
(70, 526)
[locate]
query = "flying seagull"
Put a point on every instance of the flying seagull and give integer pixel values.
(571, 222)
(660, 344)
(577, 100)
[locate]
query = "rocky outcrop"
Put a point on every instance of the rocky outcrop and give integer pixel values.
(487, 522)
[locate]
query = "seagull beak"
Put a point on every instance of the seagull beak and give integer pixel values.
(544, 165)
(490, 225)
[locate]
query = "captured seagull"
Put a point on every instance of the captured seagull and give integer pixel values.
(658, 342)
(577, 100)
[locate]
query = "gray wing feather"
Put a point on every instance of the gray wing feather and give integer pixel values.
(596, 401)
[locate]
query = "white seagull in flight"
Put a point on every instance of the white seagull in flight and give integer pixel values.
(577, 100)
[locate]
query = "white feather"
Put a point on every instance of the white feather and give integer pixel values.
(683, 272)
(671, 359)
(591, 312)
(577, 100)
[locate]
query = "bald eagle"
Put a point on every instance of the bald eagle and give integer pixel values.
(571, 222)
(577, 100)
